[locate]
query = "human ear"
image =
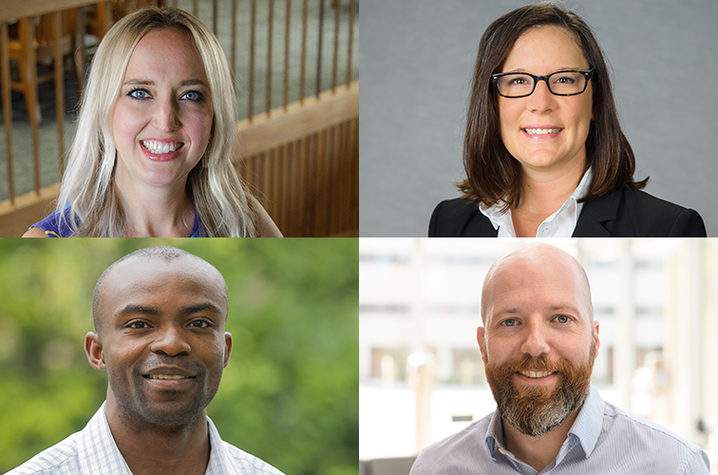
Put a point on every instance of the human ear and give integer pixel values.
(480, 338)
(93, 349)
(227, 347)
(595, 336)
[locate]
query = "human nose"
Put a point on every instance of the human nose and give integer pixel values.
(535, 342)
(166, 116)
(541, 99)
(171, 342)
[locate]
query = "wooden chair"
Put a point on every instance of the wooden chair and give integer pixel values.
(31, 43)
(101, 16)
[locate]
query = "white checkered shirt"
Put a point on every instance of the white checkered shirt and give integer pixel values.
(93, 451)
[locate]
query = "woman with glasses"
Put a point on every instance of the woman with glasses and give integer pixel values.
(543, 149)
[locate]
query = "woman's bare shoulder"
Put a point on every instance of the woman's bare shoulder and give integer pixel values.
(35, 233)
(265, 226)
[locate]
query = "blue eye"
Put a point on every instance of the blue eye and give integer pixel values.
(194, 96)
(140, 94)
(509, 322)
(563, 319)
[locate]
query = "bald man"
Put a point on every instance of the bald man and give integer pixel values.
(159, 316)
(538, 342)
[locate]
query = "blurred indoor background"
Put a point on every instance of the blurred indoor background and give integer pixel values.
(297, 83)
(421, 373)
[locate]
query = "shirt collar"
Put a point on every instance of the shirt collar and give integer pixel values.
(587, 426)
(502, 219)
(219, 460)
(98, 452)
(585, 429)
(495, 435)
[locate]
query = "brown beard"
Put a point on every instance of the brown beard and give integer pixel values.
(536, 410)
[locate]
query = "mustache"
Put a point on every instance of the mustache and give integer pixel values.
(530, 363)
(536, 410)
(180, 362)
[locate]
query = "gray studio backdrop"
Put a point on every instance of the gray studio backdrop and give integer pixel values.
(416, 58)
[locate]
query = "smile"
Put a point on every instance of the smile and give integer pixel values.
(167, 376)
(536, 374)
(542, 131)
(160, 148)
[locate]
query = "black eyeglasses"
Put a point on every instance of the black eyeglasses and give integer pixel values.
(560, 83)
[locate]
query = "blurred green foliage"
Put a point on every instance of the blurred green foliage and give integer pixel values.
(289, 394)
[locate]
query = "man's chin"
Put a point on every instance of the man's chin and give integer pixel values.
(536, 431)
(172, 414)
(163, 410)
(534, 406)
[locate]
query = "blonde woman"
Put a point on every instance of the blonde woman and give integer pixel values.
(155, 137)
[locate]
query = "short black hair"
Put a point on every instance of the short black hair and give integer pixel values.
(163, 253)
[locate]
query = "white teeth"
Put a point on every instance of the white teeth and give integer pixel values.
(542, 131)
(536, 374)
(166, 376)
(160, 148)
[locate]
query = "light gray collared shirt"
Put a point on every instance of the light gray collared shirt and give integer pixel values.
(602, 440)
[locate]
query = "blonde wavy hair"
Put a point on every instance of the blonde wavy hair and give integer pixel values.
(87, 202)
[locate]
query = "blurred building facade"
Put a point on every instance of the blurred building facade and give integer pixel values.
(421, 373)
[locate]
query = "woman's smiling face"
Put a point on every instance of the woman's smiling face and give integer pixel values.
(544, 131)
(162, 120)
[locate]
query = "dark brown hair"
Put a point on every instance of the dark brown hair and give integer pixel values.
(492, 174)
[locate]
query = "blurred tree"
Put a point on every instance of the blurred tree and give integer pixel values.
(289, 394)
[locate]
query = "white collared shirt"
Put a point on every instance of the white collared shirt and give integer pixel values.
(559, 224)
(93, 451)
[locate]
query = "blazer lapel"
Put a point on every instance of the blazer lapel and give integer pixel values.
(597, 214)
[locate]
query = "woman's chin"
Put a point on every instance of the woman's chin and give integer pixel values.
(546, 161)
(539, 163)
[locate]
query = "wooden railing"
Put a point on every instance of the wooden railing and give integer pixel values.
(300, 152)
(315, 146)
(270, 25)
(23, 12)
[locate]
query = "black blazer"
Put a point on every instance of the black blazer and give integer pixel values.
(627, 212)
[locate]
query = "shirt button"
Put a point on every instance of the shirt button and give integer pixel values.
(545, 231)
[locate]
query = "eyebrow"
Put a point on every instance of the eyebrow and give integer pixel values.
(152, 311)
(149, 82)
(569, 307)
(134, 308)
(522, 70)
(551, 308)
(200, 307)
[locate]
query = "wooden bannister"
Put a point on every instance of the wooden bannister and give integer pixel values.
(300, 158)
